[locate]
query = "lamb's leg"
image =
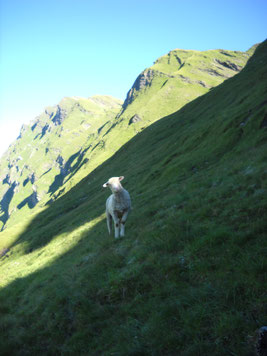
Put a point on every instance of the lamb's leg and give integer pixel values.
(109, 222)
(117, 225)
(123, 221)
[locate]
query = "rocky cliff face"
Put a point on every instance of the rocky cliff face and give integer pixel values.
(179, 77)
(142, 81)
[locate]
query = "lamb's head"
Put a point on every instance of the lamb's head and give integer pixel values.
(114, 184)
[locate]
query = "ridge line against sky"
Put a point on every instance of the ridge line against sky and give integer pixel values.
(53, 49)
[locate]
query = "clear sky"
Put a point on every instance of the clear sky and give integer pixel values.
(50, 49)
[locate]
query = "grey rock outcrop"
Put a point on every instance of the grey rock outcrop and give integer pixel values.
(134, 119)
(143, 80)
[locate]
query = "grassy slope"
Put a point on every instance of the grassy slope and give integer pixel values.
(40, 144)
(173, 80)
(174, 73)
(189, 277)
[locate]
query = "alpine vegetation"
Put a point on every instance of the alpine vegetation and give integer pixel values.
(67, 141)
(118, 206)
(191, 279)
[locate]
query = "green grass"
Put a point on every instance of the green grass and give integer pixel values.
(94, 129)
(42, 154)
(189, 278)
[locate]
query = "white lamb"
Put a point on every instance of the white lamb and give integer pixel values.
(118, 206)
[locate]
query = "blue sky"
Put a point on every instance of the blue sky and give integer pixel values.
(56, 48)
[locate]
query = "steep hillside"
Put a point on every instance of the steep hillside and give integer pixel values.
(49, 151)
(69, 140)
(189, 278)
(171, 76)
(174, 80)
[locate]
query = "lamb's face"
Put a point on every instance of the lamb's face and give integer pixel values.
(114, 184)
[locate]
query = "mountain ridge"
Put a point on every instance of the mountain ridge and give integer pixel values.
(44, 139)
(173, 80)
(189, 277)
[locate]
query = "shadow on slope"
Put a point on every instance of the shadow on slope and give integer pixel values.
(214, 128)
(189, 276)
(31, 201)
(68, 169)
(67, 213)
(5, 202)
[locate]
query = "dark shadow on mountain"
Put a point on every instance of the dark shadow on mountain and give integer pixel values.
(6, 180)
(26, 181)
(31, 201)
(100, 144)
(58, 182)
(44, 130)
(101, 127)
(31, 178)
(68, 169)
(112, 127)
(4, 204)
(45, 172)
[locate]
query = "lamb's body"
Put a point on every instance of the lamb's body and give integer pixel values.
(118, 206)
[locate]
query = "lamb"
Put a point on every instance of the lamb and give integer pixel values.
(118, 206)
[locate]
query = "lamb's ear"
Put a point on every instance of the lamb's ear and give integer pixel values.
(105, 185)
(121, 178)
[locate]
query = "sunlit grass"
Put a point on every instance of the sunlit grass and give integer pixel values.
(31, 262)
